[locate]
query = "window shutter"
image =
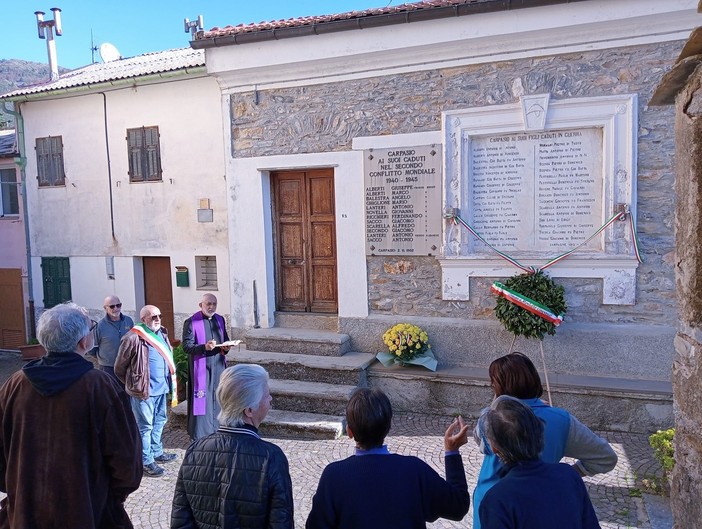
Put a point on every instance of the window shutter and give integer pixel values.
(43, 171)
(56, 174)
(153, 155)
(134, 143)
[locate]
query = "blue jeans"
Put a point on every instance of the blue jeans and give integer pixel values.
(150, 417)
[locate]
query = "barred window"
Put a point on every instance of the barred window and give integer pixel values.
(50, 161)
(206, 272)
(9, 201)
(144, 154)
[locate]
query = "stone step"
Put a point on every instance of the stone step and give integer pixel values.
(307, 320)
(315, 397)
(349, 369)
(302, 425)
(301, 341)
(280, 423)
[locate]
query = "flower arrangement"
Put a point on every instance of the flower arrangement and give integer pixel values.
(407, 344)
(530, 305)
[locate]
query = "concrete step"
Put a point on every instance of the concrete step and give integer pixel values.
(301, 425)
(302, 341)
(280, 423)
(307, 320)
(349, 369)
(315, 397)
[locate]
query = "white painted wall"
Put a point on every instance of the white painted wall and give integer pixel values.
(150, 219)
(251, 246)
(450, 42)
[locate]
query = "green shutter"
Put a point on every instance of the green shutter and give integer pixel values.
(56, 275)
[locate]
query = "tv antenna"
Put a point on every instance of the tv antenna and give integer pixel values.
(93, 48)
(109, 53)
(194, 26)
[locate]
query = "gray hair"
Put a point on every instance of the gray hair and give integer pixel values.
(240, 387)
(512, 430)
(61, 328)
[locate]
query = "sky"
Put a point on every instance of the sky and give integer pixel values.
(141, 26)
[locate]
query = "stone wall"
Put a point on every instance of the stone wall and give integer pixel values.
(326, 117)
(687, 365)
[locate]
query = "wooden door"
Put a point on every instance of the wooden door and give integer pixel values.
(158, 289)
(305, 240)
(12, 326)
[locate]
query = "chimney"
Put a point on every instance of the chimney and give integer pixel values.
(46, 30)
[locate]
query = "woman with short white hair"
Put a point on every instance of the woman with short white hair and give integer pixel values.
(233, 478)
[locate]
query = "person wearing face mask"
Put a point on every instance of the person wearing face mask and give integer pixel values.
(109, 332)
(69, 447)
(145, 366)
(206, 362)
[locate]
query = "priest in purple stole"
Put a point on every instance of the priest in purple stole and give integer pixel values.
(201, 333)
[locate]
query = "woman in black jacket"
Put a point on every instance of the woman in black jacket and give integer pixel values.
(233, 478)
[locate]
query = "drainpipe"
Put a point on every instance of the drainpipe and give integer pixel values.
(109, 164)
(21, 162)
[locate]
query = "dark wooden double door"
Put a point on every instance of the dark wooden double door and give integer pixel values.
(305, 240)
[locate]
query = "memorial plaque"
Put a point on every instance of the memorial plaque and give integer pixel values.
(403, 200)
(536, 192)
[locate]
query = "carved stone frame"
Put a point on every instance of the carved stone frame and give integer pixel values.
(617, 117)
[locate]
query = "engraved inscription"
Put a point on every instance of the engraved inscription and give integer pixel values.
(537, 192)
(402, 200)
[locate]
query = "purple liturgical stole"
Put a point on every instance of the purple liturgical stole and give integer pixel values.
(200, 363)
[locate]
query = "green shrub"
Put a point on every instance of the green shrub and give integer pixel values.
(180, 357)
(663, 450)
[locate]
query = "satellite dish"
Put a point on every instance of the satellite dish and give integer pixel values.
(109, 53)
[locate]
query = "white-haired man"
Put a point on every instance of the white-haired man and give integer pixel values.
(233, 478)
(109, 332)
(206, 362)
(145, 366)
(69, 447)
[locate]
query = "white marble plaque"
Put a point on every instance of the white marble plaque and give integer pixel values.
(536, 192)
(403, 200)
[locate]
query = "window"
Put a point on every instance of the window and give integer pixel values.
(50, 161)
(9, 203)
(206, 272)
(144, 154)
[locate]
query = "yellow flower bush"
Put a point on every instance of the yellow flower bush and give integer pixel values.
(406, 341)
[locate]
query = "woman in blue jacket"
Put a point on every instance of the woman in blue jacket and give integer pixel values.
(564, 436)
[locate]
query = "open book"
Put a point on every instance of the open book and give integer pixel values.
(230, 343)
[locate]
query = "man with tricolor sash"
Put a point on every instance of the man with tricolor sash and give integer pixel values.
(145, 365)
(202, 333)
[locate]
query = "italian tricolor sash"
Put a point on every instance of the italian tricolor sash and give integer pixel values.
(155, 341)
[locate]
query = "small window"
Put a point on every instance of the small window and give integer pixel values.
(206, 272)
(50, 161)
(9, 202)
(144, 154)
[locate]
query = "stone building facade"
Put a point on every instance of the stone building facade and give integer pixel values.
(334, 94)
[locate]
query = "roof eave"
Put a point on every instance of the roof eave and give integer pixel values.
(371, 21)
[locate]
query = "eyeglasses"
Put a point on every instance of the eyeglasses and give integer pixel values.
(155, 317)
(117, 305)
(93, 324)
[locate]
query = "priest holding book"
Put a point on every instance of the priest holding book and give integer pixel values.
(203, 335)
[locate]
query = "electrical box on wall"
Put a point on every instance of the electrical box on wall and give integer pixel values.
(182, 278)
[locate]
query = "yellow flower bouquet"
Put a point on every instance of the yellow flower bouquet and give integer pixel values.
(407, 344)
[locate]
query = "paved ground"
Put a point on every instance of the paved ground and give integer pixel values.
(617, 496)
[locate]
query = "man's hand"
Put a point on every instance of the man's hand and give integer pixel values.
(210, 345)
(456, 434)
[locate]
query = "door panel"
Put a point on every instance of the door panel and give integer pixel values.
(158, 289)
(12, 329)
(305, 240)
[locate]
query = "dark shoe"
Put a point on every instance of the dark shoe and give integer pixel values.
(153, 470)
(165, 458)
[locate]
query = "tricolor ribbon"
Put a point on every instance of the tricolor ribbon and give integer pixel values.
(164, 350)
(527, 303)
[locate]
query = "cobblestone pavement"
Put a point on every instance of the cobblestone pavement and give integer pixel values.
(616, 495)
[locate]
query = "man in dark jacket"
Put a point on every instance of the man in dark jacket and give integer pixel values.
(233, 478)
(202, 333)
(375, 489)
(69, 448)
